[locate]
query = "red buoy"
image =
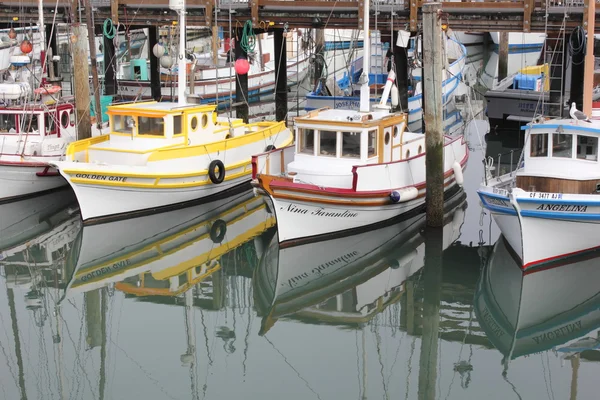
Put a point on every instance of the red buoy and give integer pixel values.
(242, 66)
(26, 46)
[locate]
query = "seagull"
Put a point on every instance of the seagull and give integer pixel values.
(577, 115)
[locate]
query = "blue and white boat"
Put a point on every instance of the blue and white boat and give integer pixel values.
(549, 207)
(345, 94)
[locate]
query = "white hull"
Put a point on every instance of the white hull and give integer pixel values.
(297, 219)
(544, 230)
(17, 181)
(102, 201)
(520, 40)
(467, 38)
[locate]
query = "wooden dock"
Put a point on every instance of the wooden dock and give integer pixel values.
(475, 16)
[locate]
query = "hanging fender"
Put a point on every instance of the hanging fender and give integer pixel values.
(458, 173)
(270, 148)
(217, 231)
(216, 171)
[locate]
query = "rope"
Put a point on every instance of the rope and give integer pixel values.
(108, 28)
(248, 42)
(577, 44)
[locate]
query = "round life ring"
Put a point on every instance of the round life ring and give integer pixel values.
(47, 90)
(218, 231)
(212, 167)
(270, 147)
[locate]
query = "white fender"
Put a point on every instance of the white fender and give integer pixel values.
(405, 194)
(395, 96)
(458, 173)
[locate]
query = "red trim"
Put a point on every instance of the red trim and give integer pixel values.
(23, 163)
(254, 166)
(46, 173)
(527, 268)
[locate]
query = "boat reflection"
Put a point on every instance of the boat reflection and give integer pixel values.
(346, 280)
(165, 254)
(553, 308)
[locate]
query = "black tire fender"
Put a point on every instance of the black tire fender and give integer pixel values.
(212, 167)
(218, 230)
(270, 147)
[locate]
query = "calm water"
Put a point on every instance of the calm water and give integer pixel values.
(201, 303)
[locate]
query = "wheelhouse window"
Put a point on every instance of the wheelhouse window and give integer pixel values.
(351, 144)
(152, 126)
(587, 148)
(8, 123)
(29, 123)
(307, 140)
(177, 125)
(562, 145)
(372, 143)
(328, 143)
(123, 123)
(50, 124)
(539, 145)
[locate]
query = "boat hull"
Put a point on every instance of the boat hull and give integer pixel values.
(568, 225)
(18, 180)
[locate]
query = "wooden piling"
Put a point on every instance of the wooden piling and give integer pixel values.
(89, 19)
(79, 44)
(503, 56)
(241, 82)
(588, 80)
(319, 56)
(432, 107)
(154, 67)
(281, 98)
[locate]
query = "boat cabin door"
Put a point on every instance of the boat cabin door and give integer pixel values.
(387, 144)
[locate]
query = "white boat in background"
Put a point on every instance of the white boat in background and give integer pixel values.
(521, 41)
(549, 208)
(167, 253)
(470, 38)
(350, 170)
(11, 40)
(508, 305)
(364, 272)
(158, 155)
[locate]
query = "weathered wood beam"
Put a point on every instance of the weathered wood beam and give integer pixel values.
(529, 4)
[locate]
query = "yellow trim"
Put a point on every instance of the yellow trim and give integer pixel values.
(81, 145)
(135, 109)
(221, 145)
(136, 151)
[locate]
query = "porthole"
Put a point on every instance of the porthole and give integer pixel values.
(420, 149)
(72, 117)
(64, 119)
(194, 123)
(387, 138)
(204, 120)
(407, 154)
(395, 132)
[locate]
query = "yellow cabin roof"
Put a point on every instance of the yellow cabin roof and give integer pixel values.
(154, 107)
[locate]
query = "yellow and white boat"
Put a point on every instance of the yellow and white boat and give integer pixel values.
(161, 154)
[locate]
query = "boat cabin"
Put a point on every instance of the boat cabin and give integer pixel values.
(329, 142)
(557, 153)
(59, 121)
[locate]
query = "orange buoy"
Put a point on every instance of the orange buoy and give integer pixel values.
(12, 33)
(26, 46)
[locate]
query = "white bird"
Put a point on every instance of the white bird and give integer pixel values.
(577, 115)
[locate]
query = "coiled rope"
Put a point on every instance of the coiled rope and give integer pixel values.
(108, 28)
(248, 42)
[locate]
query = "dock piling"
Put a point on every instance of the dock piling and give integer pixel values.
(432, 104)
(281, 97)
(241, 82)
(81, 74)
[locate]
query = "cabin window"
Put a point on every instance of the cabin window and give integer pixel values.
(123, 124)
(372, 143)
(539, 145)
(64, 119)
(72, 117)
(395, 132)
(50, 125)
(204, 120)
(152, 126)
(407, 154)
(351, 144)
(328, 143)
(177, 124)
(562, 145)
(8, 123)
(194, 123)
(387, 138)
(420, 149)
(587, 148)
(307, 140)
(29, 123)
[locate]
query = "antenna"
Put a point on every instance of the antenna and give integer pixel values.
(365, 92)
(179, 7)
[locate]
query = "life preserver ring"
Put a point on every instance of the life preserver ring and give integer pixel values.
(212, 167)
(47, 90)
(218, 231)
(270, 147)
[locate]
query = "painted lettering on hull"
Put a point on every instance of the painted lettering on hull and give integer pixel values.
(562, 208)
(495, 328)
(102, 177)
(558, 333)
(497, 202)
(320, 212)
(105, 270)
(323, 268)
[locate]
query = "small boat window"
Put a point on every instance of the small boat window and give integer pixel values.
(29, 123)
(562, 145)
(587, 148)
(8, 123)
(307, 140)
(328, 143)
(123, 123)
(351, 144)
(387, 138)
(50, 125)
(204, 120)
(539, 145)
(372, 143)
(177, 124)
(194, 123)
(395, 132)
(152, 126)
(407, 154)
(64, 119)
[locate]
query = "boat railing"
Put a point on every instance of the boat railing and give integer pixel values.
(502, 164)
(273, 162)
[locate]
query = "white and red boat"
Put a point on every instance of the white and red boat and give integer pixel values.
(350, 170)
